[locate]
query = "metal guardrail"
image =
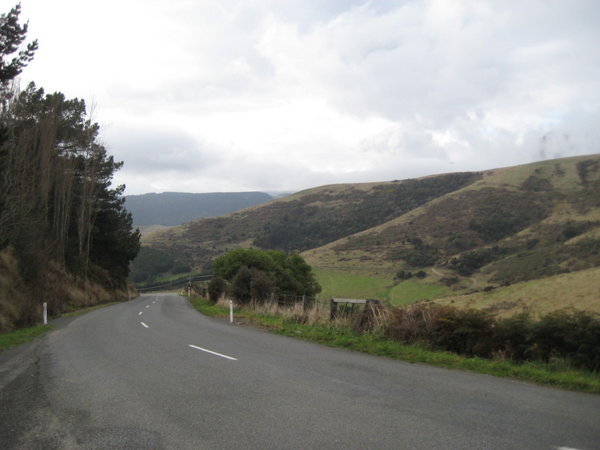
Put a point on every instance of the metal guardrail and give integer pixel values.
(174, 284)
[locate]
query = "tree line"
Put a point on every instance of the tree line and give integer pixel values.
(58, 207)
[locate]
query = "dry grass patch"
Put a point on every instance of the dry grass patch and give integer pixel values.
(579, 290)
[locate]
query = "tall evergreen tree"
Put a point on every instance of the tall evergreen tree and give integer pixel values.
(12, 35)
(58, 207)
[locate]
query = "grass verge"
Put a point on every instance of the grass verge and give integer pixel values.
(21, 336)
(24, 335)
(551, 374)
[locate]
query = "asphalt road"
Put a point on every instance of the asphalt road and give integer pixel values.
(141, 375)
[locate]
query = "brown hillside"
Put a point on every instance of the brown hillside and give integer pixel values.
(305, 220)
(513, 224)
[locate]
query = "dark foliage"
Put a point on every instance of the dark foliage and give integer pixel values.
(150, 263)
(467, 332)
(585, 169)
(301, 225)
(258, 273)
(12, 35)
(536, 184)
(422, 255)
(469, 262)
(240, 288)
(403, 275)
(570, 335)
(515, 337)
(505, 213)
(216, 288)
(57, 206)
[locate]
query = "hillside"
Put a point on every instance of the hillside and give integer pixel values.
(304, 220)
(511, 225)
(175, 208)
(465, 232)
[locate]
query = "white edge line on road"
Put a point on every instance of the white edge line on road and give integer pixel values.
(213, 353)
(144, 325)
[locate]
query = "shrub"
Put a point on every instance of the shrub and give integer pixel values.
(573, 335)
(289, 273)
(216, 288)
(261, 285)
(468, 332)
(240, 288)
(515, 337)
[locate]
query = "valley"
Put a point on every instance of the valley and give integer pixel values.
(478, 239)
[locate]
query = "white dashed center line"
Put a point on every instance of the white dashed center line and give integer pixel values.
(213, 353)
(140, 313)
(144, 325)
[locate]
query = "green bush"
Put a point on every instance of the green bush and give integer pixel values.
(287, 273)
(573, 336)
(467, 332)
(240, 288)
(515, 337)
(216, 288)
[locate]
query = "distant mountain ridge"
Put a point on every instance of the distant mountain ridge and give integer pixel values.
(175, 208)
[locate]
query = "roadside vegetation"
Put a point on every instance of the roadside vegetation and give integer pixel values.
(22, 336)
(560, 350)
(250, 274)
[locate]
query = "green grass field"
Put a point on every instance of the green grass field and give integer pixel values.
(347, 285)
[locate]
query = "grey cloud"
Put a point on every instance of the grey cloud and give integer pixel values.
(154, 151)
(401, 63)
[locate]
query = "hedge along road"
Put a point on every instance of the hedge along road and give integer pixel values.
(153, 373)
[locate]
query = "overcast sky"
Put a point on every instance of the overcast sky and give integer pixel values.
(225, 95)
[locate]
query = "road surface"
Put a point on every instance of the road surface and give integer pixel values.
(153, 373)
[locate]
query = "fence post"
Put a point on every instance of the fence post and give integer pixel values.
(333, 310)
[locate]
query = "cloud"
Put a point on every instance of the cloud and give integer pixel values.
(154, 151)
(206, 96)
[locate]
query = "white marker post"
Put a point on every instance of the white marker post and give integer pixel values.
(45, 313)
(230, 311)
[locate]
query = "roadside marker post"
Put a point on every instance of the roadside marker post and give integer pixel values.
(45, 313)
(230, 311)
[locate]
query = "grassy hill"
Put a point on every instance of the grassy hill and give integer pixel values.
(512, 224)
(468, 233)
(304, 220)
